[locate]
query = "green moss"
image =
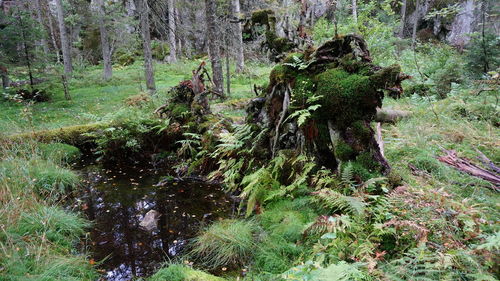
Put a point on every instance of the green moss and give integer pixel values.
(362, 172)
(365, 159)
(291, 57)
(262, 17)
(76, 135)
(281, 74)
(343, 151)
(160, 50)
(303, 88)
(59, 152)
(361, 131)
(178, 272)
(346, 97)
(178, 109)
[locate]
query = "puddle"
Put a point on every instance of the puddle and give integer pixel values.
(116, 201)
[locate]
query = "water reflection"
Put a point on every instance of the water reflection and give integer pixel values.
(117, 201)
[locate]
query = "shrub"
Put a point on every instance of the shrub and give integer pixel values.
(226, 243)
(160, 50)
(483, 54)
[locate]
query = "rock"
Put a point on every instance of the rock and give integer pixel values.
(150, 221)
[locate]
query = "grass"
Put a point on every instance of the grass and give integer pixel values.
(92, 98)
(36, 236)
(225, 243)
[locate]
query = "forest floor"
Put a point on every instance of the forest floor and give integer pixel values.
(463, 121)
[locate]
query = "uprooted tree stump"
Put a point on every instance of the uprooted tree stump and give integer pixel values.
(321, 102)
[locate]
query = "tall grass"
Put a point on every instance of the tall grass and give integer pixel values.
(36, 235)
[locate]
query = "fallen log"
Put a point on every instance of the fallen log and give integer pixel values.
(464, 165)
(386, 115)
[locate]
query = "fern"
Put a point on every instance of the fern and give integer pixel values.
(335, 201)
(190, 145)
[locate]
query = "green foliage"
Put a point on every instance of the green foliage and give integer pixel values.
(226, 243)
(59, 152)
(179, 272)
(160, 50)
(424, 264)
(341, 271)
(483, 54)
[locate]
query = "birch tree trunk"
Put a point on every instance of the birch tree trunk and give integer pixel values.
(171, 31)
(213, 46)
(65, 44)
(53, 34)
(106, 48)
(238, 36)
(403, 19)
(143, 10)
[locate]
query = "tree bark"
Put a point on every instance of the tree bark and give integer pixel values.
(403, 19)
(172, 38)
(53, 35)
(415, 25)
(5, 77)
(355, 12)
(43, 41)
(143, 10)
(106, 48)
(214, 46)
(65, 44)
(238, 36)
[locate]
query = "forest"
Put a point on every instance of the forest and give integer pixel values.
(212, 140)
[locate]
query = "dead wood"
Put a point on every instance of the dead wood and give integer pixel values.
(466, 166)
(390, 115)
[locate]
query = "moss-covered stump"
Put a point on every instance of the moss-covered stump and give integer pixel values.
(322, 103)
(263, 22)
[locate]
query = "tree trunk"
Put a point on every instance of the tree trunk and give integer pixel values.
(53, 36)
(403, 19)
(143, 10)
(462, 25)
(415, 24)
(106, 48)
(43, 41)
(238, 36)
(355, 12)
(172, 39)
(5, 77)
(213, 46)
(65, 44)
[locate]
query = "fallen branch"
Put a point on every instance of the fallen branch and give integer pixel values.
(464, 165)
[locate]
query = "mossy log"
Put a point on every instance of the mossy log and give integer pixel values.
(78, 135)
(322, 102)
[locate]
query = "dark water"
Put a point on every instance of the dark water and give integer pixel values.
(117, 200)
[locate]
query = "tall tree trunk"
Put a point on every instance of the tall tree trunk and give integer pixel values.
(106, 48)
(355, 12)
(65, 45)
(172, 39)
(403, 19)
(143, 11)
(43, 41)
(213, 46)
(53, 35)
(415, 25)
(238, 36)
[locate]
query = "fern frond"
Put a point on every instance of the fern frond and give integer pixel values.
(336, 201)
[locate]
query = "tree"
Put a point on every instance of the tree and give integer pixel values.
(43, 40)
(415, 24)
(355, 12)
(238, 36)
(19, 35)
(65, 44)
(143, 11)
(403, 19)
(213, 46)
(105, 46)
(172, 39)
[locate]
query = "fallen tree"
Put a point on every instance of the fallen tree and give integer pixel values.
(322, 102)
